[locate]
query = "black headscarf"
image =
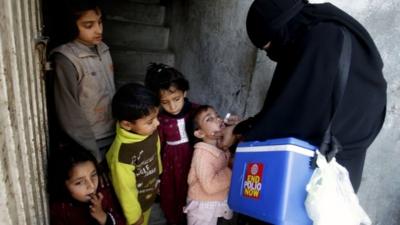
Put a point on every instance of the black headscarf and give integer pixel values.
(281, 21)
(306, 42)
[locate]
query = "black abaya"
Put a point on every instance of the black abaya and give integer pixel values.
(299, 103)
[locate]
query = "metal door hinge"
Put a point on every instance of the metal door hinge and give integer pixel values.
(41, 47)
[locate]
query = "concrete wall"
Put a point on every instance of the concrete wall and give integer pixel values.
(212, 50)
(224, 69)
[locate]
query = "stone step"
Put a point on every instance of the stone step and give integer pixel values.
(135, 12)
(134, 35)
(121, 79)
(156, 216)
(146, 1)
(132, 64)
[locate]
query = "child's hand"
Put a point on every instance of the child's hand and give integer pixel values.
(140, 220)
(96, 210)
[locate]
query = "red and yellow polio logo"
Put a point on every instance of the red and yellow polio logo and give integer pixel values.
(253, 180)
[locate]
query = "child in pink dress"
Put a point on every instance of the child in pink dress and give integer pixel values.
(209, 177)
(171, 87)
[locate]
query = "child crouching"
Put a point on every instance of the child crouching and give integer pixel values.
(78, 194)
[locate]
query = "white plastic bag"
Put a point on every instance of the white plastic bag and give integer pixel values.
(331, 199)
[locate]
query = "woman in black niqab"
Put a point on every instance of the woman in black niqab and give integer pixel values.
(306, 41)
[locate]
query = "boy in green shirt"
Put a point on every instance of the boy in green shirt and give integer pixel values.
(134, 156)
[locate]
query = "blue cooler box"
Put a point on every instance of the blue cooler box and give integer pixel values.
(269, 180)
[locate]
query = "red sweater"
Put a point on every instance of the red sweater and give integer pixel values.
(77, 213)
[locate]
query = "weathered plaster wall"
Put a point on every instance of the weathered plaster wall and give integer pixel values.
(212, 49)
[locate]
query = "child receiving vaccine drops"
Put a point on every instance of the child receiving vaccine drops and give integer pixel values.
(171, 87)
(209, 177)
(78, 194)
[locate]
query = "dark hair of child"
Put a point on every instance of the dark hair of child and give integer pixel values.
(162, 77)
(60, 165)
(74, 10)
(61, 17)
(133, 101)
(78, 8)
(194, 125)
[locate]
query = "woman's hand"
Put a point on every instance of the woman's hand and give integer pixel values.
(96, 210)
(230, 119)
(228, 138)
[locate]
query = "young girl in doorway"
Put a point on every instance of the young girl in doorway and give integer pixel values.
(171, 86)
(78, 194)
(84, 81)
(210, 176)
